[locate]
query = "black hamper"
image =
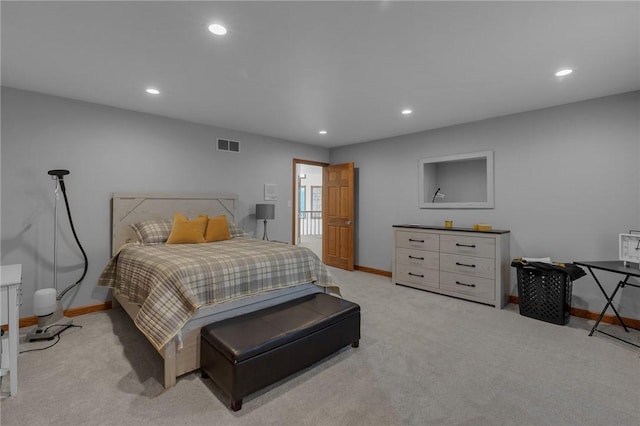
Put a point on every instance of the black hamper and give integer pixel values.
(544, 290)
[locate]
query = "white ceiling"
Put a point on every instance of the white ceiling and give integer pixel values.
(289, 69)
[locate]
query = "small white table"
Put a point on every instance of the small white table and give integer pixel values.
(11, 280)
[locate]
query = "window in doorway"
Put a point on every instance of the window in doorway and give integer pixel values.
(302, 197)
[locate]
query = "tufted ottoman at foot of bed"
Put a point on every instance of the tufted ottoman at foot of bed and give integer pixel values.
(246, 353)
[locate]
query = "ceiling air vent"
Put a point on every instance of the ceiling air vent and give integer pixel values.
(228, 145)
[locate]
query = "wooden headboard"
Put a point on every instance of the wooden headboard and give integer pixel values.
(127, 209)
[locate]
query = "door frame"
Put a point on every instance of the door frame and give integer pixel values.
(294, 198)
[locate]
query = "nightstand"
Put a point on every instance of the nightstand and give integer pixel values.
(11, 280)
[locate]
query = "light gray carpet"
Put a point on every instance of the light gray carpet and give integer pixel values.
(424, 359)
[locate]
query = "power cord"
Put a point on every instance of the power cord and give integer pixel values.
(65, 327)
(75, 236)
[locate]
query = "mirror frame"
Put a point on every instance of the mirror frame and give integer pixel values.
(488, 204)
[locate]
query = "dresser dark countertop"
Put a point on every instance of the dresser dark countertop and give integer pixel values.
(442, 228)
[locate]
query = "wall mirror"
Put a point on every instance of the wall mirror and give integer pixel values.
(460, 181)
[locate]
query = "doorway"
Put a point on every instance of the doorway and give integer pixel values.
(307, 214)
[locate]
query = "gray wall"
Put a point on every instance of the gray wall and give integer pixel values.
(113, 150)
(567, 182)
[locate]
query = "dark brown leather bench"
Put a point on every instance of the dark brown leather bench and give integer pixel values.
(251, 351)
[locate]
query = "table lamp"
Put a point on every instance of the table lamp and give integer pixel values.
(265, 211)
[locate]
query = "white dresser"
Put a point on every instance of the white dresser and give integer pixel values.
(460, 262)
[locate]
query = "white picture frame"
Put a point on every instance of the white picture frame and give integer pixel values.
(629, 248)
(270, 192)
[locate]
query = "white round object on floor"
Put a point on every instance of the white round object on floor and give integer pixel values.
(44, 301)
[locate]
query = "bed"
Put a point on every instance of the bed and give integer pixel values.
(172, 290)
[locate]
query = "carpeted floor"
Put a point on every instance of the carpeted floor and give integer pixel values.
(424, 359)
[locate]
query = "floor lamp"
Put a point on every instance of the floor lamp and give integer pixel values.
(265, 211)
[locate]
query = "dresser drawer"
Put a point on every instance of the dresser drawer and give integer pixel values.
(482, 288)
(415, 276)
(418, 240)
(420, 258)
(472, 246)
(468, 265)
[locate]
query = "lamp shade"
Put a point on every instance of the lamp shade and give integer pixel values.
(265, 211)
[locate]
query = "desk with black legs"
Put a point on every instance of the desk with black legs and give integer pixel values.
(618, 267)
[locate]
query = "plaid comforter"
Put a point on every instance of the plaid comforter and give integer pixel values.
(171, 281)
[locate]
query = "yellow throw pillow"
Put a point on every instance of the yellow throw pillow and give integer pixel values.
(217, 229)
(185, 231)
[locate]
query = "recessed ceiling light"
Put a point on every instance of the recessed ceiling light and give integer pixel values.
(564, 72)
(322, 132)
(406, 111)
(217, 29)
(152, 91)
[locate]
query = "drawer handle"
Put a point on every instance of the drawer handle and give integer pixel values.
(464, 264)
(466, 245)
(416, 275)
(415, 257)
(416, 241)
(464, 284)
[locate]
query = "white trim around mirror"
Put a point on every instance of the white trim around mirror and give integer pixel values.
(433, 196)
